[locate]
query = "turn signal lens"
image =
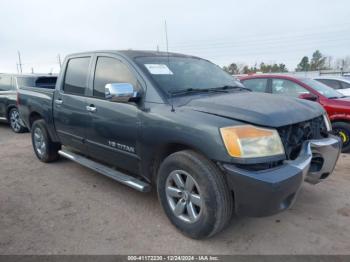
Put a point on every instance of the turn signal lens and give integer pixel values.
(249, 141)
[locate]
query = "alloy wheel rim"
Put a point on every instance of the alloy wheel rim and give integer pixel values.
(39, 141)
(183, 196)
(15, 120)
(343, 135)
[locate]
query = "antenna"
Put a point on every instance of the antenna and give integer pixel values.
(166, 38)
(19, 62)
(167, 51)
(59, 60)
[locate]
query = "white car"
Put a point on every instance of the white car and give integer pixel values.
(341, 84)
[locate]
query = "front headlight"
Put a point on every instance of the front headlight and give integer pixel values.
(248, 141)
(327, 122)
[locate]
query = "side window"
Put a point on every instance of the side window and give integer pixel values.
(110, 70)
(256, 85)
(345, 85)
(287, 87)
(5, 83)
(331, 83)
(75, 81)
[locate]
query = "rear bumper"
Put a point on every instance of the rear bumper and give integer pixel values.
(266, 192)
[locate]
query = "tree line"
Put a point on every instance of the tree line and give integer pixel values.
(315, 63)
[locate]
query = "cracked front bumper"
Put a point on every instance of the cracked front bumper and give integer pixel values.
(266, 192)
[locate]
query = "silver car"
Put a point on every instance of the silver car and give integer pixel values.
(341, 84)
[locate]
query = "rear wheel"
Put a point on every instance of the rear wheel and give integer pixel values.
(44, 148)
(342, 129)
(194, 194)
(16, 123)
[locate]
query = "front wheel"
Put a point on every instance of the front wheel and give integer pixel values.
(342, 129)
(44, 148)
(194, 194)
(16, 123)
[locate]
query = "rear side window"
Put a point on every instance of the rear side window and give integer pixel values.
(41, 82)
(110, 70)
(256, 85)
(46, 82)
(331, 83)
(5, 83)
(345, 85)
(75, 81)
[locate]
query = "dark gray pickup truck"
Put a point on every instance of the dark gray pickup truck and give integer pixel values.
(180, 124)
(9, 84)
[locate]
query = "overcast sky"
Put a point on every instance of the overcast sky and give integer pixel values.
(221, 31)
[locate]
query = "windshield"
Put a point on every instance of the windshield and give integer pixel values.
(322, 88)
(174, 74)
(43, 82)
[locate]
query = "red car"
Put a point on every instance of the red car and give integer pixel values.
(336, 104)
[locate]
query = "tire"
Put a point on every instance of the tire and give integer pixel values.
(45, 150)
(211, 212)
(15, 121)
(342, 129)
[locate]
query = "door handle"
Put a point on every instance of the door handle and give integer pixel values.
(91, 108)
(58, 101)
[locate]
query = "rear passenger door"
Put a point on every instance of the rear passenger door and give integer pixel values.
(70, 113)
(5, 91)
(112, 136)
(256, 84)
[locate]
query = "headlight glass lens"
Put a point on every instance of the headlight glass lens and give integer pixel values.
(248, 141)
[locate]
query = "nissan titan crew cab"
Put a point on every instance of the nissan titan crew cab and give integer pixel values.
(180, 124)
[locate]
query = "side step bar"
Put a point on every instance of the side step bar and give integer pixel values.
(107, 171)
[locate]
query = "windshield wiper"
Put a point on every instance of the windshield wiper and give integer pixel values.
(226, 87)
(336, 97)
(196, 90)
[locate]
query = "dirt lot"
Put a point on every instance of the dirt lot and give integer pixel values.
(63, 208)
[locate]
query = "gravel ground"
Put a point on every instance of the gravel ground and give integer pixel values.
(63, 208)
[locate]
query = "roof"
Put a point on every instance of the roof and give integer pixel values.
(334, 78)
(29, 75)
(134, 53)
(290, 77)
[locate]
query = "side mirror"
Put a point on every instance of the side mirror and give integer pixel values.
(121, 92)
(308, 96)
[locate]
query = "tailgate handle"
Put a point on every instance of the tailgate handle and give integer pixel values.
(91, 108)
(59, 101)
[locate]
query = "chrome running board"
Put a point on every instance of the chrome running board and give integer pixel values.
(107, 171)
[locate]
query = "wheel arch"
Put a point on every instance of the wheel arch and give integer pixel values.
(9, 108)
(160, 153)
(340, 118)
(33, 117)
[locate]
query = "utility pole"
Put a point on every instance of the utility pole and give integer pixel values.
(166, 36)
(19, 62)
(59, 60)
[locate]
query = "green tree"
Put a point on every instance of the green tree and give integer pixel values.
(318, 61)
(304, 64)
(282, 68)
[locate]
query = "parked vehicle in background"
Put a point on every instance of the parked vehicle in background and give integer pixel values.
(341, 84)
(180, 123)
(9, 84)
(336, 104)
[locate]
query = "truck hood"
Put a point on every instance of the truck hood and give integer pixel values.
(257, 108)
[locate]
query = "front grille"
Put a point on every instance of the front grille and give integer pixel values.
(293, 136)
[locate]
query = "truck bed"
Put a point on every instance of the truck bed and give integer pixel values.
(33, 101)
